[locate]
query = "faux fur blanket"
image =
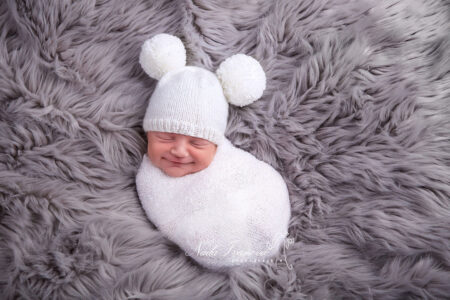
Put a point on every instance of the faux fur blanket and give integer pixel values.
(355, 117)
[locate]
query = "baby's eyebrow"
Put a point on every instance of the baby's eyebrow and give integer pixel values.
(164, 134)
(194, 139)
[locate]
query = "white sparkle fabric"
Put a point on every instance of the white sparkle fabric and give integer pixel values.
(234, 212)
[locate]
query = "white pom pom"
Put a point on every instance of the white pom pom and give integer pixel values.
(161, 54)
(243, 79)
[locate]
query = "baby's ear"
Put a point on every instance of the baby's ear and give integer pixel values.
(243, 79)
(161, 54)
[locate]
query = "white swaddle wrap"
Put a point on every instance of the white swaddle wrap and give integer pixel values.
(236, 211)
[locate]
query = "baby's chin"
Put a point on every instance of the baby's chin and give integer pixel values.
(177, 171)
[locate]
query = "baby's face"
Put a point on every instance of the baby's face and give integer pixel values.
(178, 155)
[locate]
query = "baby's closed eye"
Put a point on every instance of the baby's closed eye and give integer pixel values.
(199, 143)
(165, 136)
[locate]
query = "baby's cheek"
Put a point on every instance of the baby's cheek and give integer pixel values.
(208, 156)
(153, 152)
(149, 150)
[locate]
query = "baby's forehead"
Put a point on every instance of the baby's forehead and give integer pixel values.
(168, 133)
(173, 134)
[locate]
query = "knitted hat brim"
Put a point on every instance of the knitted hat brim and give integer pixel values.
(185, 128)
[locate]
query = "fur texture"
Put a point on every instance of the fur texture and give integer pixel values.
(355, 117)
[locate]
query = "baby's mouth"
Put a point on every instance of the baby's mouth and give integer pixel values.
(175, 162)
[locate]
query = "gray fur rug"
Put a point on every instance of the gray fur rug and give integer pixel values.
(356, 117)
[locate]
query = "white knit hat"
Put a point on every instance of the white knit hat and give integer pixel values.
(191, 100)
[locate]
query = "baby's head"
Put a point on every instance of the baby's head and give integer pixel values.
(185, 121)
(187, 114)
(177, 154)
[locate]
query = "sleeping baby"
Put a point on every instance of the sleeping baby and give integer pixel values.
(218, 203)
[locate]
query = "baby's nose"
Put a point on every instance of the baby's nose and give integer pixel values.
(179, 150)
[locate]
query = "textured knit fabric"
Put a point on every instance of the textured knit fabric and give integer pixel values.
(188, 101)
(234, 212)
